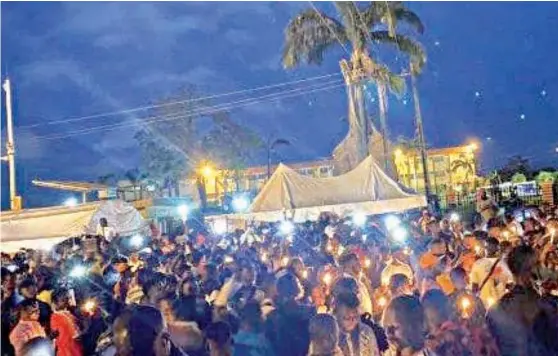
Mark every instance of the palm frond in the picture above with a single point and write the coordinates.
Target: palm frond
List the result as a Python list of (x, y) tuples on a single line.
[(405, 44), (394, 82), (309, 35), (375, 14), (402, 14), (352, 20)]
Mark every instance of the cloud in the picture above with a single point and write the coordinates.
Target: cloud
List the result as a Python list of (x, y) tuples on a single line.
[(198, 75), (116, 24)]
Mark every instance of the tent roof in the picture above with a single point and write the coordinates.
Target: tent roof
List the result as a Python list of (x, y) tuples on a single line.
[(82, 187), (33, 228), (366, 188)]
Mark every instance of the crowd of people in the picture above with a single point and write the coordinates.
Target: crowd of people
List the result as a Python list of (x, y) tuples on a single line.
[(378, 285)]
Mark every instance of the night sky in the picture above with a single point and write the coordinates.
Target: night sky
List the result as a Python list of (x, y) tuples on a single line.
[(491, 75)]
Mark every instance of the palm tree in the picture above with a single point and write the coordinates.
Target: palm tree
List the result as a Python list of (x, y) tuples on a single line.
[(312, 32), (545, 177)]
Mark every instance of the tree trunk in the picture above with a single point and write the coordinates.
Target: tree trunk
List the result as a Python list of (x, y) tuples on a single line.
[(382, 103), (354, 147), (420, 132)]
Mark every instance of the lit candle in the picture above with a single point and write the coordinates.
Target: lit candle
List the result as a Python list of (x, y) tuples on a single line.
[(327, 278), (382, 301)]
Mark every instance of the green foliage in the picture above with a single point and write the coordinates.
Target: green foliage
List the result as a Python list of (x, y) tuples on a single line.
[(187, 131), (546, 177), (312, 32), (518, 178), (515, 164)]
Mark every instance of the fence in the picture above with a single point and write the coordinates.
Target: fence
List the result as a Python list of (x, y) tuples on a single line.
[(505, 195)]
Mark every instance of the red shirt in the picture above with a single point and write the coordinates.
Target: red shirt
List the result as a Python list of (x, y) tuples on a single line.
[(68, 331)]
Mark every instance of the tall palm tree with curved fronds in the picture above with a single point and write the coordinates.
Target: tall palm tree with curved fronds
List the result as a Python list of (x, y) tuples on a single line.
[(310, 34)]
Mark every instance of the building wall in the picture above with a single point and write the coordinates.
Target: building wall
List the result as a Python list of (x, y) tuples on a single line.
[(452, 167), (441, 168)]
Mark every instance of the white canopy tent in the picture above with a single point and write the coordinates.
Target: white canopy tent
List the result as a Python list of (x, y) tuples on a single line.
[(46, 227), (366, 189)]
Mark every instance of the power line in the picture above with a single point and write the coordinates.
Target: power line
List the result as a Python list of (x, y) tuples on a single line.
[(199, 111), (147, 107), (214, 109)]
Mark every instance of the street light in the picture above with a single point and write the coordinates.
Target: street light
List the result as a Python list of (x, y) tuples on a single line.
[(207, 171)]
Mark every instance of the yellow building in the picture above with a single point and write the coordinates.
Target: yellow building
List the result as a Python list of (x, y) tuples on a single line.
[(450, 167)]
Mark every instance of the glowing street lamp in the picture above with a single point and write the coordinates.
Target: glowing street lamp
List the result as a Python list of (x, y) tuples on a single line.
[(207, 171)]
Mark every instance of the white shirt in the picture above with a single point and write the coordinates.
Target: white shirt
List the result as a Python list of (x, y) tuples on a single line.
[(394, 267), (494, 288), (107, 232)]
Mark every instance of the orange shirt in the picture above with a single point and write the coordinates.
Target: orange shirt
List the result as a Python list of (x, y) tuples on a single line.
[(427, 261)]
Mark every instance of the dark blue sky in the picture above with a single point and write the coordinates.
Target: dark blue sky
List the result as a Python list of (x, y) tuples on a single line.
[(75, 59)]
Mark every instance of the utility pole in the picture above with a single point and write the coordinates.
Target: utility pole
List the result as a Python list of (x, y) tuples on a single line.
[(420, 132), (15, 201)]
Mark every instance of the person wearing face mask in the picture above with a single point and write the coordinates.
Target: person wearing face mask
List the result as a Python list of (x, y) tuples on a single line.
[(404, 323), (356, 338)]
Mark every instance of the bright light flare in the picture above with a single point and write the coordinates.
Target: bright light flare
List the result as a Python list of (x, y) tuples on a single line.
[(71, 202), (367, 263), (328, 278), (136, 241), (240, 204), (399, 234), (183, 211), (305, 274), (78, 271), (382, 301), (454, 217), (286, 227), (228, 259), (285, 261), (89, 306), (220, 227), (359, 219), (392, 222)]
